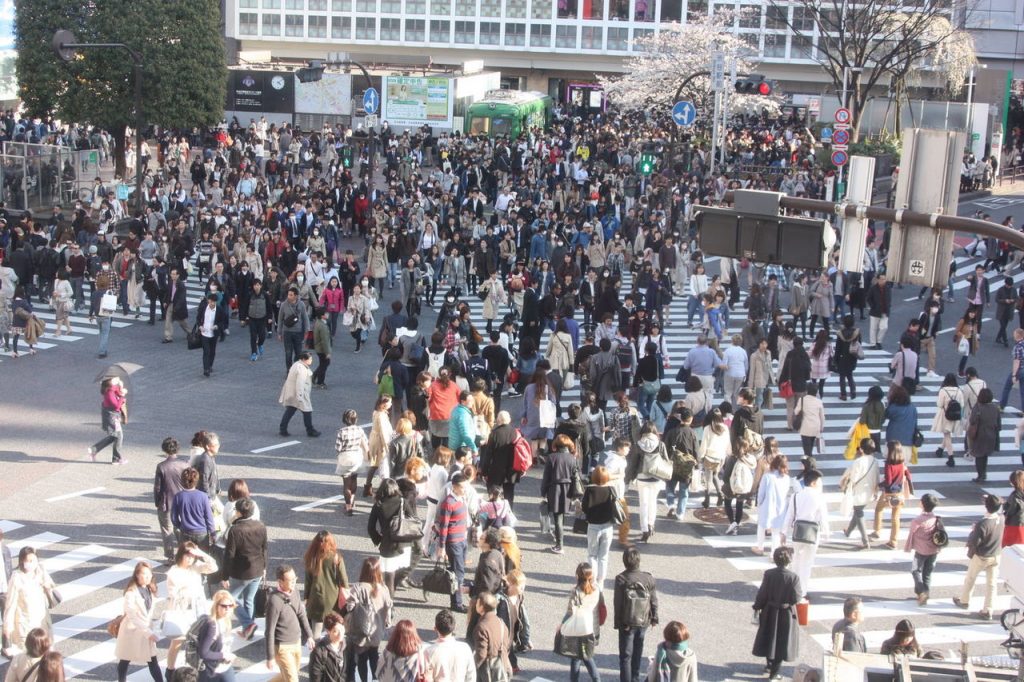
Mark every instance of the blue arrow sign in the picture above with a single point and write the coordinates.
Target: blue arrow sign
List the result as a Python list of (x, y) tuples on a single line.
[(371, 100), (684, 113)]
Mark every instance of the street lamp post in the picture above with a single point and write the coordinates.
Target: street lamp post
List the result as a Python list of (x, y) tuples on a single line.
[(66, 47), (313, 73)]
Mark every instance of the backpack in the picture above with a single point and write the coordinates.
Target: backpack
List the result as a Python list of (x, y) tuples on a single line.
[(360, 620), (752, 442), (416, 353), (476, 368), (954, 411), (191, 645), (435, 361), (522, 454), (624, 354), (637, 606), (741, 480), (683, 464)]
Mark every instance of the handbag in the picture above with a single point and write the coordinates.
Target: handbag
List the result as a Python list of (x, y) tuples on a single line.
[(580, 525), (569, 382), (410, 529), (963, 347), (805, 532), (575, 623), (373, 305), (259, 602), (786, 389), (482, 294), (918, 439), (348, 318), (53, 597), (547, 414), (195, 338), (576, 484), (439, 580), (108, 304), (619, 512), (175, 623), (114, 626)]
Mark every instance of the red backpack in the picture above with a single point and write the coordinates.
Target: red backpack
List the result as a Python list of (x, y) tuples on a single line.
[(522, 454)]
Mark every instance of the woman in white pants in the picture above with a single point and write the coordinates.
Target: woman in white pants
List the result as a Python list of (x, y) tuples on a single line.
[(807, 509), (643, 462), (772, 503), (437, 482)]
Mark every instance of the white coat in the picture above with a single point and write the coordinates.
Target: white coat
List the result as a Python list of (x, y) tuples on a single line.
[(559, 352), (813, 423), (496, 298), (862, 482), (298, 388), (940, 424), (133, 643), (772, 500), (27, 607)]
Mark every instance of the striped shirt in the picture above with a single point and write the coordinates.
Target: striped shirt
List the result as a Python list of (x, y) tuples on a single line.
[(452, 521)]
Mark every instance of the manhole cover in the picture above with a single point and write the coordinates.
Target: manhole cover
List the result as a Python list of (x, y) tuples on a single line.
[(714, 515)]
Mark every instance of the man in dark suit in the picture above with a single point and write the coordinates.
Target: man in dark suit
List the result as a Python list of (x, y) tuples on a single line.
[(166, 485), (211, 320), (175, 306)]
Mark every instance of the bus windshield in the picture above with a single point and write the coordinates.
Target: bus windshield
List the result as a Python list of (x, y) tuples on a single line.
[(501, 126), (480, 125)]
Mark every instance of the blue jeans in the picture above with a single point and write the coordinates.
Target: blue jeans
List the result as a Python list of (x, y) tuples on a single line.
[(645, 400), (599, 544), (1008, 386), (922, 572), (457, 565), (104, 324), (631, 653), (574, 669), (392, 273), (840, 306), (692, 306), (677, 485), (244, 592)]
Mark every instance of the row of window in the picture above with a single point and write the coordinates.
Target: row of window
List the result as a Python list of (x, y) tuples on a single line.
[(466, 33), (753, 16)]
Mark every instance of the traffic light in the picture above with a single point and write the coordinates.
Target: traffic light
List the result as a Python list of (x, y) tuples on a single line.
[(754, 229), (346, 156), (754, 84), (647, 160), (311, 73)]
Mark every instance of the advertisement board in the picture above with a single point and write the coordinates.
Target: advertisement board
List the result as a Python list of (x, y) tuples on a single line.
[(413, 101), (261, 91), (331, 95)]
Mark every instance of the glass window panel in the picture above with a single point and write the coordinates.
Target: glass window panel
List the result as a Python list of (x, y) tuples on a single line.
[(515, 34), (390, 6), (317, 27), (441, 7), (294, 25), (803, 19), (271, 24), (366, 6), (490, 32), (640, 33), (593, 38), (672, 10), (415, 7), (317, 5), (465, 8), (540, 35), (271, 4), (618, 39), (540, 9), (465, 32), (696, 9), (565, 36), (567, 9), (774, 45), (366, 28), (592, 9), (802, 47), (775, 17), (515, 9), (341, 27), (295, 4), (341, 5), (440, 31), (248, 4), (415, 30), (490, 8), (248, 23)]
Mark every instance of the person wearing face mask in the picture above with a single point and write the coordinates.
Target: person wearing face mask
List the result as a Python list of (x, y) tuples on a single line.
[(106, 281), (243, 286)]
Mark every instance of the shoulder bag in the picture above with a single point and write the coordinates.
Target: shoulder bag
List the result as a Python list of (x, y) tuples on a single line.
[(805, 531), (786, 389), (798, 417), (576, 484)]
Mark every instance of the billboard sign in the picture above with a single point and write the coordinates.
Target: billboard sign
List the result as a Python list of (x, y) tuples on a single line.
[(261, 91), (332, 95), (414, 101)]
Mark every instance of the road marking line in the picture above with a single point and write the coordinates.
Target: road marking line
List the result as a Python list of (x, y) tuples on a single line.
[(37, 541), (318, 503), (275, 447), (80, 493), (8, 526)]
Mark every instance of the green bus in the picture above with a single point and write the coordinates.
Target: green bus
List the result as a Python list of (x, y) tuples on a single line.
[(507, 113)]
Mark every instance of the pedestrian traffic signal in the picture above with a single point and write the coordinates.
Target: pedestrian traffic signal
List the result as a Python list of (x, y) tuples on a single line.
[(311, 73), (646, 163), (754, 84), (346, 156)]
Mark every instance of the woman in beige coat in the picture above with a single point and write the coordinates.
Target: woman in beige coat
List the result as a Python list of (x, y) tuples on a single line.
[(27, 605), (949, 392), (377, 262), (136, 641), (812, 425), (559, 352), (496, 298), (361, 316), (381, 433)]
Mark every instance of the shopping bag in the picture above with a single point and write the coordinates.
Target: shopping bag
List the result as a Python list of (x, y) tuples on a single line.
[(860, 432)]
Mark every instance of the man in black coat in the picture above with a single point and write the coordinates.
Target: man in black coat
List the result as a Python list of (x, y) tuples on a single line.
[(497, 454), (636, 610), (879, 302), (166, 485), (212, 320), (175, 305), (490, 573), (245, 561)]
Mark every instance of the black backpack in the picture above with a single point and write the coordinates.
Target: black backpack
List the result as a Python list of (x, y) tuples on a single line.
[(476, 368), (954, 411), (191, 646), (637, 606)]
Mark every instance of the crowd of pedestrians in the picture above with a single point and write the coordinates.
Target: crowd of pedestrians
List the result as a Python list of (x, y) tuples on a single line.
[(575, 258)]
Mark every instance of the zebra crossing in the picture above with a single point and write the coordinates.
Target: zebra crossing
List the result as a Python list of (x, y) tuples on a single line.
[(881, 577), (85, 571)]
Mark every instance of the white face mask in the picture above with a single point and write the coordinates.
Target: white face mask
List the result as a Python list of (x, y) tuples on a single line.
[(106, 266), (300, 279)]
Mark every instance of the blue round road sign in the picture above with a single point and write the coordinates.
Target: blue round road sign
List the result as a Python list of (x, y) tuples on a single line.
[(684, 113), (839, 158), (841, 136), (371, 100)]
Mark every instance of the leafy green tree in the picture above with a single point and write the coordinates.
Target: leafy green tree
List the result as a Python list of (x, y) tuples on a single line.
[(184, 74)]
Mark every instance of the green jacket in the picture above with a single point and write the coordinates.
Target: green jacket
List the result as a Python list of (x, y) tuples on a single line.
[(322, 338)]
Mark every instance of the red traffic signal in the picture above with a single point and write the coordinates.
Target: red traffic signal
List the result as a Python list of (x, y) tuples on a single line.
[(754, 84), (764, 88)]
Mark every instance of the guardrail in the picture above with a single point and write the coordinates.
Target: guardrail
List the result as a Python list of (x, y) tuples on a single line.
[(1011, 175)]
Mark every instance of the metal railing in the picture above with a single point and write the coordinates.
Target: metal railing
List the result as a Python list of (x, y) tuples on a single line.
[(1011, 175)]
